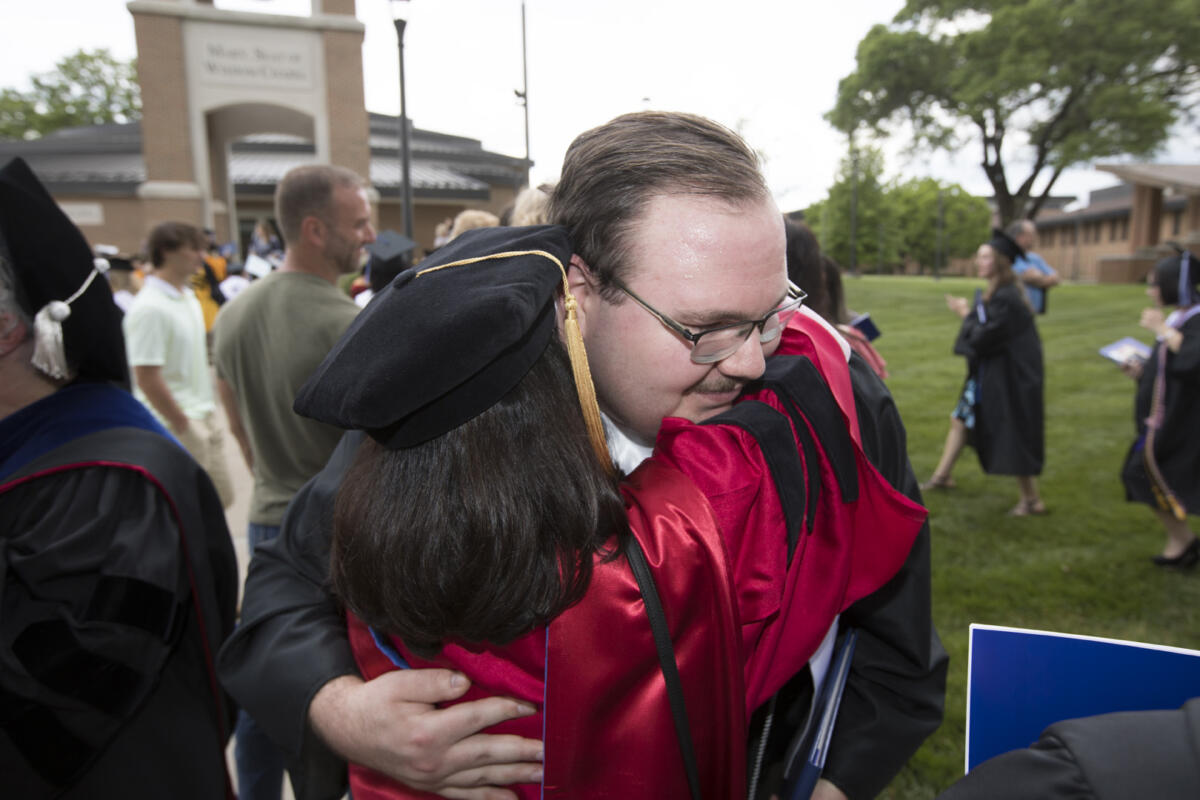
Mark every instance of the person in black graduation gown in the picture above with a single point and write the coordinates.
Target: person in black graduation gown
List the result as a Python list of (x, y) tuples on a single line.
[(1000, 409), (117, 575), (1162, 468), (1125, 754)]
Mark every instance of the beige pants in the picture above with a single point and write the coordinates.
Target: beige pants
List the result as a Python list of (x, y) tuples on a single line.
[(205, 440)]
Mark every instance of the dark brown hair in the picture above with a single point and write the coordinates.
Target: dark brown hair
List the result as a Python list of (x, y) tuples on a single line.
[(1166, 278), (804, 265), (167, 237), (484, 533), (835, 293), (611, 172)]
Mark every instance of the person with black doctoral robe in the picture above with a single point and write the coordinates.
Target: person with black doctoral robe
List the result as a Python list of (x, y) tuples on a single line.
[(1000, 411), (117, 575), (1162, 468)]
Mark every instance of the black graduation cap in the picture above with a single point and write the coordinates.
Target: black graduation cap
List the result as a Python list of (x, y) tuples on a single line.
[(389, 257), (447, 340), (120, 263), (53, 262), (390, 245), (1003, 243)]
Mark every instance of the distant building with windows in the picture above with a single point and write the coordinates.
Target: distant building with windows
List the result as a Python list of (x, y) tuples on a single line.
[(95, 173), (231, 100), (1124, 229)]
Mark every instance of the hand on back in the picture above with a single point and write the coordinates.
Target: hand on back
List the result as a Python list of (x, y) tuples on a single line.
[(392, 725)]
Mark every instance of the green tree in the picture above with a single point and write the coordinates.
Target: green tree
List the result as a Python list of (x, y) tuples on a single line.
[(937, 222), (86, 88), (857, 200), (1060, 82)]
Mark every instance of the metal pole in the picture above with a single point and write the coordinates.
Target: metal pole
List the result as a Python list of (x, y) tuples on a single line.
[(941, 238), (405, 156), (879, 263), (853, 206), (525, 93)]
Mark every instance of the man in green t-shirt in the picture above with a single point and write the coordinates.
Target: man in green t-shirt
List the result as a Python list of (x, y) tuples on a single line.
[(265, 345)]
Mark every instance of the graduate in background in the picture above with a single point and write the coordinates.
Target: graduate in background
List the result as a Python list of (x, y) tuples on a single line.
[(1000, 410), (1162, 468)]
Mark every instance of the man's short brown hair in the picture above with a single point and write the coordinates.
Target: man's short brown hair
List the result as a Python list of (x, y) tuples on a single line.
[(611, 172), (308, 192), (167, 237)]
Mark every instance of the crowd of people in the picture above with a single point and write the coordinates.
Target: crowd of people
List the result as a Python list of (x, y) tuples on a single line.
[(604, 499)]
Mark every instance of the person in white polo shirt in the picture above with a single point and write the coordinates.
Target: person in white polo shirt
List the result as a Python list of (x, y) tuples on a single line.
[(165, 342)]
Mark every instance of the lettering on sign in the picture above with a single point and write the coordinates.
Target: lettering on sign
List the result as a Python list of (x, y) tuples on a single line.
[(278, 66)]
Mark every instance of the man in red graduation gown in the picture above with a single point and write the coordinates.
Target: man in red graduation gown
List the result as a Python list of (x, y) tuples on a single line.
[(675, 236), (755, 547), (118, 575)]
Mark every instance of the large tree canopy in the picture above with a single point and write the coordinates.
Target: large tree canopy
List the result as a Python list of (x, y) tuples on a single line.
[(1069, 81), (86, 88)]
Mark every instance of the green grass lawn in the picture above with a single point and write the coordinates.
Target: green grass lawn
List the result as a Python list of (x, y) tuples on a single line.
[(1084, 568)]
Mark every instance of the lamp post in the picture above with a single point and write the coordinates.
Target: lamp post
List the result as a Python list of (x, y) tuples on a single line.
[(405, 155), (525, 90)]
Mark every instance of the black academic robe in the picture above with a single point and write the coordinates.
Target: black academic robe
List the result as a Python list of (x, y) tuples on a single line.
[(1120, 756), (1004, 356), (119, 583), (1177, 444), (292, 638)]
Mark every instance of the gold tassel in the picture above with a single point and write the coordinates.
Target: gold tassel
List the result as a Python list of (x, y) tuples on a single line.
[(583, 380)]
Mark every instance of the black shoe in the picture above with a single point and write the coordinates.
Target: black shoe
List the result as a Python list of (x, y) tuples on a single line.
[(1188, 558)]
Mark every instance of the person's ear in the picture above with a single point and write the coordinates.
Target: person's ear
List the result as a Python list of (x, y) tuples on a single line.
[(584, 287), (12, 332), (313, 232)]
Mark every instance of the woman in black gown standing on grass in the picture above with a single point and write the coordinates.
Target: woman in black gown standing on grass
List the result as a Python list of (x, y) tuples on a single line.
[(1162, 468), (1000, 410)]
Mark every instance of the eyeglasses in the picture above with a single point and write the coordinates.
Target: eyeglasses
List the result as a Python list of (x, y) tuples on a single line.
[(718, 343)]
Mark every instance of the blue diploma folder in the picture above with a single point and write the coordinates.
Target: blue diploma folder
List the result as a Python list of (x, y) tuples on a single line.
[(866, 326), (1019, 682), (1124, 349), (812, 745)]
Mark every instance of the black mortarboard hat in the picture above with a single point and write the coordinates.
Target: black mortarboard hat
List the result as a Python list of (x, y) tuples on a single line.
[(390, 245), (120, 263), (1003, 243), (389, 257), (53, 263), (447, 340)]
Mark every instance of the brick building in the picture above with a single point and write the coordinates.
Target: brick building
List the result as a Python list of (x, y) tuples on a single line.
[(1124, 229), (232, 100)]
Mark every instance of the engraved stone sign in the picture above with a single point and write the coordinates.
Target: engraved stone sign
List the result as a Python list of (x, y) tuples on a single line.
[(269, 65)]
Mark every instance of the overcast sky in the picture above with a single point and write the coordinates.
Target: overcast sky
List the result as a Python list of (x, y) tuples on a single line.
[(768, 68)]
